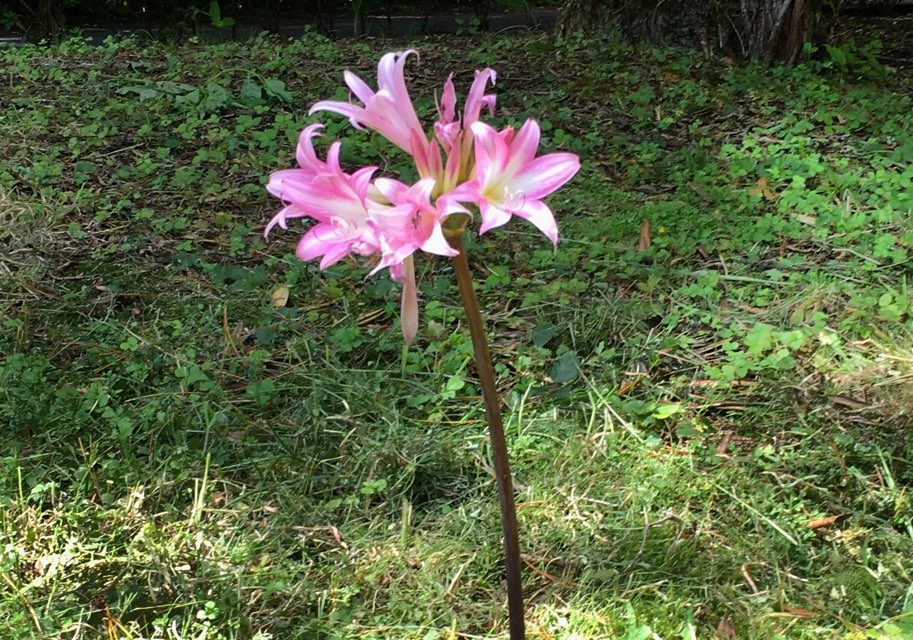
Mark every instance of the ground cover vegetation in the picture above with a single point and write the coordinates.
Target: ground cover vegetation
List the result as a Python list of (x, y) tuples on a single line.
[(707, 387)]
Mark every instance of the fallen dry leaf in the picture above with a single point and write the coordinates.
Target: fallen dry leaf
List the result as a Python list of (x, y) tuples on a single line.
[(725, 630), (628, 386), (724, 443), (820, 523), (280, 296), (644, 241), (851, 403), (761, 189)]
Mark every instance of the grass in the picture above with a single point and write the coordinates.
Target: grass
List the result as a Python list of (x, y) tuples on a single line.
[(710, 434)]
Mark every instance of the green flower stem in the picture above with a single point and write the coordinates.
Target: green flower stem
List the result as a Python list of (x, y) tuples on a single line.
[(498, 441)]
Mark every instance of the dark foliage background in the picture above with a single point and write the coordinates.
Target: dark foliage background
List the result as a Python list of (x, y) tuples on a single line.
[(51, 16)]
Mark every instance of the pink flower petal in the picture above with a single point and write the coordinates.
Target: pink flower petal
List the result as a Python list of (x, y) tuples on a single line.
[(315, 242), (280, 218), (361, 180), (409, 302), (547, 174), (466, 192), (491, 153), (420, 192), (492, 217), (453, 165), (488, 102), (393, 190), (437, 243), (486, 138), (475, 100), (448, 205), (334, 255), (307, 158), (332, 163), (447, 107), (347, 109), (280, 181), (523, 146), (541, 216), (357, 86)]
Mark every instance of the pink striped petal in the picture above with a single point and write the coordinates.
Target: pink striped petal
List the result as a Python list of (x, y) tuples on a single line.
[(491, 152), (448, 206), (307, 158), (361, 180), (409, 303), (447, 107), (547, 174), (393, 190), (420, 192), (476, 99), (334, 255), (282, 217), (541, 216), (453, 164), (492, 217), (357, 86), (347, 109), (488, 102), (437, 243), (332, 163), (523, 147), (315, 242), (466, 192), (280, 181)]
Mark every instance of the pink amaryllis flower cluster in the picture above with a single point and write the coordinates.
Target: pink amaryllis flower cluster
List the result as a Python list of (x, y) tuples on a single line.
[(464, 162)]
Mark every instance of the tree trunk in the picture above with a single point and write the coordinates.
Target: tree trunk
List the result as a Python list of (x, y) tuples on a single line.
[(578, 16), (769, 30), (778, 29), (45, 18)]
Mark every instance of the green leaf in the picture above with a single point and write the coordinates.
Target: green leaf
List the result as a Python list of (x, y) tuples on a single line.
[(174, 88), (250, 94), (759, 339), (189, 98), (665, 411), (542, 334), (217, 97), (276, 88), (566, 368), (261, 391), (144, 92), (837, 54), (215, 15)]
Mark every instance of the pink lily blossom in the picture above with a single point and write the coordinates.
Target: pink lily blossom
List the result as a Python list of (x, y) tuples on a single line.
[(324, 192), (511, 181), (412, 222), (388, 221), (447, 127), (350, 212), (388, 110), (453, 132)]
